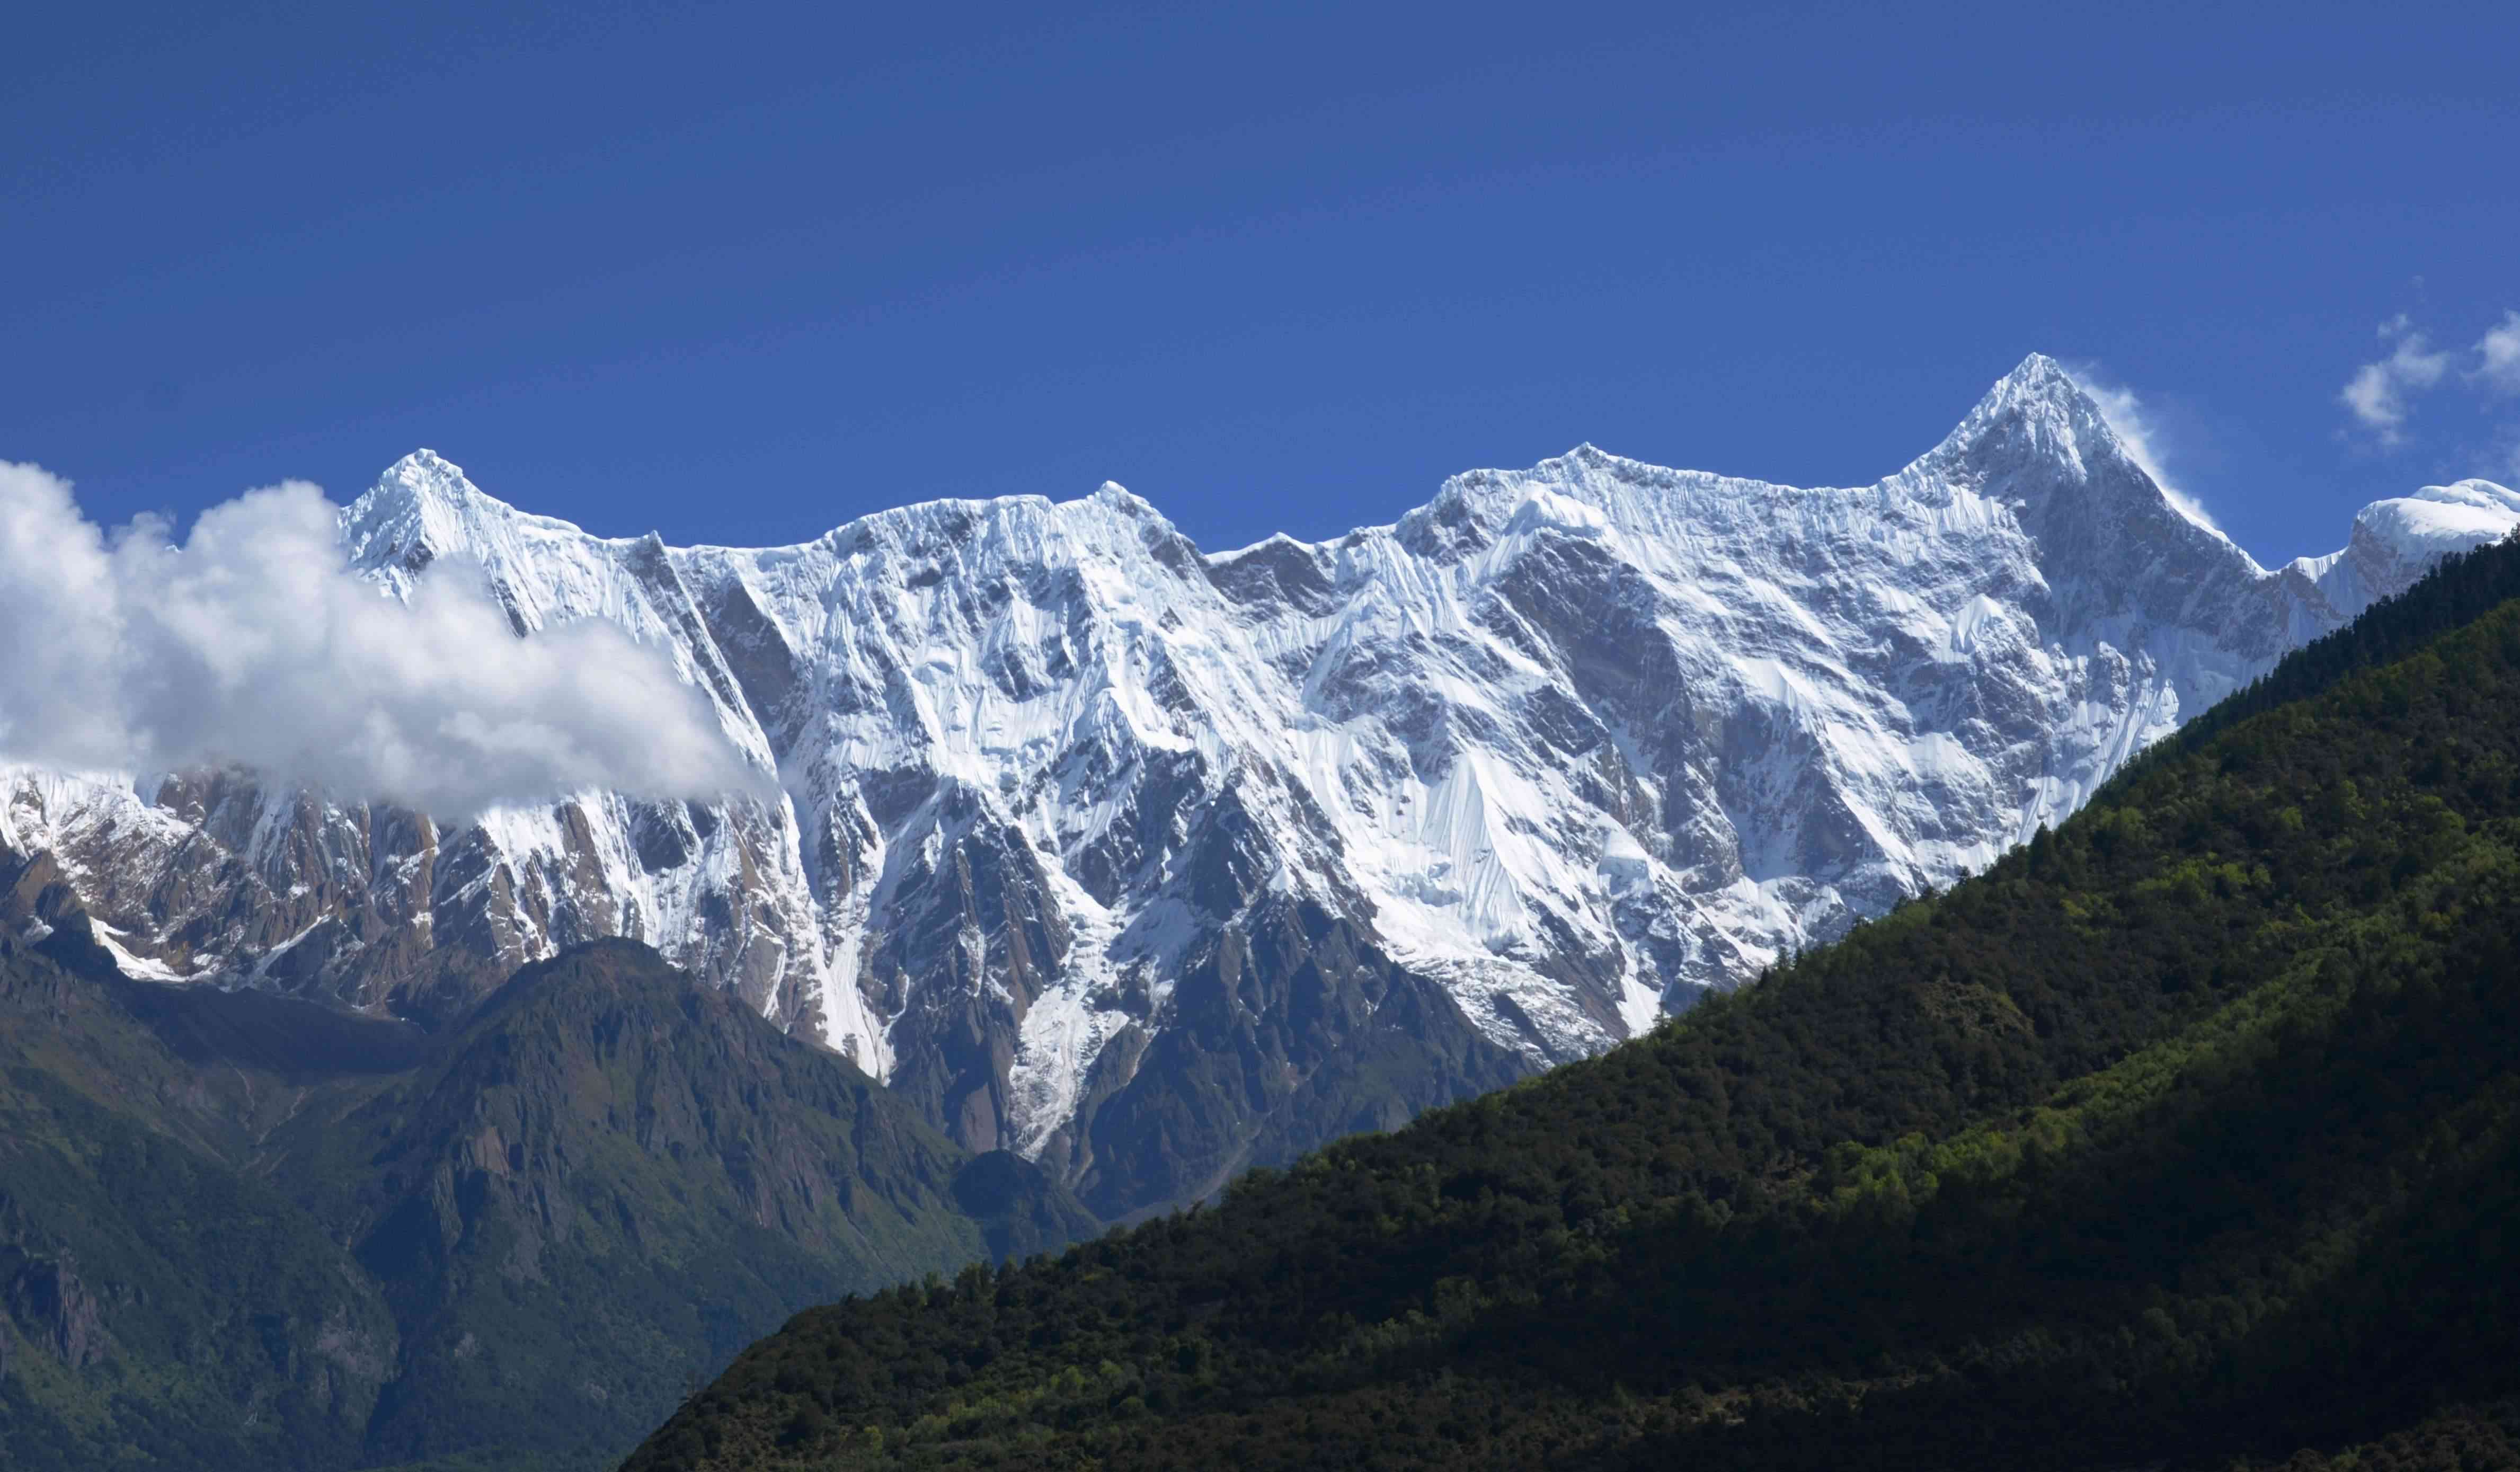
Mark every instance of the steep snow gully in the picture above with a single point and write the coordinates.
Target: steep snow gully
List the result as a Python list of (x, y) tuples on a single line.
[(1149, 863)]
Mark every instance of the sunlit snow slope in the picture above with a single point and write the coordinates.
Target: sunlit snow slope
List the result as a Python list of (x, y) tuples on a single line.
[(1150, 863)]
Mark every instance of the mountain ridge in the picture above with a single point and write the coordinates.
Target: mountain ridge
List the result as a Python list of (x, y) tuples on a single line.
[(1553, 754)]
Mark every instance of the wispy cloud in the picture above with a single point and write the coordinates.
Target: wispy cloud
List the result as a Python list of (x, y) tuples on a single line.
[(2378, 393), (2498, 356), (253, 644), (2139, 431)]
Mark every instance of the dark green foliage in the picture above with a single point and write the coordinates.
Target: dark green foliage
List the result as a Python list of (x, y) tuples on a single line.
[(295, 1239), (2463, 1439), (2187, 1135)]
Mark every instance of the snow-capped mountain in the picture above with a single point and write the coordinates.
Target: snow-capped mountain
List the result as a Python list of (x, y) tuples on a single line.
[(1149, 863)]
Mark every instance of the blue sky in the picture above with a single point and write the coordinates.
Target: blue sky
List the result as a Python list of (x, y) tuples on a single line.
[(739, 273)]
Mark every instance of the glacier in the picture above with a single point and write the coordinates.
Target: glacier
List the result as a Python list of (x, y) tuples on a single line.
[(1149, 863)]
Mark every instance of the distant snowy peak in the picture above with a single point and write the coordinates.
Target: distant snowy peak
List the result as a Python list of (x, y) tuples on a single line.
[(2042, 445), (2441, 518), (2036, 413), (2036, 436), (425, 507), (2396, 541)]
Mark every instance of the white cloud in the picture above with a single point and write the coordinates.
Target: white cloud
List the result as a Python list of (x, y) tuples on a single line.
[(2498, 356), (255, 645), (2141, 436), (2378, 392)]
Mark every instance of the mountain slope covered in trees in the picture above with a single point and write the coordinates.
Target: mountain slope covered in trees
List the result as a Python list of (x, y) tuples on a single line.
[(2187, 1135), (241, 1232)]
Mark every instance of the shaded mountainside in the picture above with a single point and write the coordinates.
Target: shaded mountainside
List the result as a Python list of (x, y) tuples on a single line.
[(238, 1232), (2188, 1134), (2459, 1439), (1153, 864)]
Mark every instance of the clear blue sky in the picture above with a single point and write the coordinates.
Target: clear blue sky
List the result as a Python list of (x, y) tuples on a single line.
[(739, 273)]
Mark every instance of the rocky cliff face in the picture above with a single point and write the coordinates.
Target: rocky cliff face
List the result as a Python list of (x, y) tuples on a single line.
[(51, 1305), (1148, 863)]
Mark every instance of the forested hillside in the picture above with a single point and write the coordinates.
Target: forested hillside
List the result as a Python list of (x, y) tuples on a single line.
[(242, 1233), (2188, 1134)]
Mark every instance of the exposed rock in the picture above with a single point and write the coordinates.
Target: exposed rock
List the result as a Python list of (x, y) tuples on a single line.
[(55, 1309)]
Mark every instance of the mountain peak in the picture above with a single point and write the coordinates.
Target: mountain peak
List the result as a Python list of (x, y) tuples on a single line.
[(2044, 400), (2037, 420), (2397, 539), (407, 518), (2475, 491), (414, 482), (422, 508), (1119, 498), (2038, 374), (425, 458)]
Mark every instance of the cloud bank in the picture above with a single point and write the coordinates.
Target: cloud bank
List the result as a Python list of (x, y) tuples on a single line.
[(255, 645)]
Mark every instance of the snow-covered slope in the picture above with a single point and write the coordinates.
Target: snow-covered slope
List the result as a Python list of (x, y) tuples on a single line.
[(2395, 540), (1148, 863)]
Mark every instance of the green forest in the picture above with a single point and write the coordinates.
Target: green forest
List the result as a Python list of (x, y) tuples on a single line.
[(2187, 1136), (239, 1232)]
